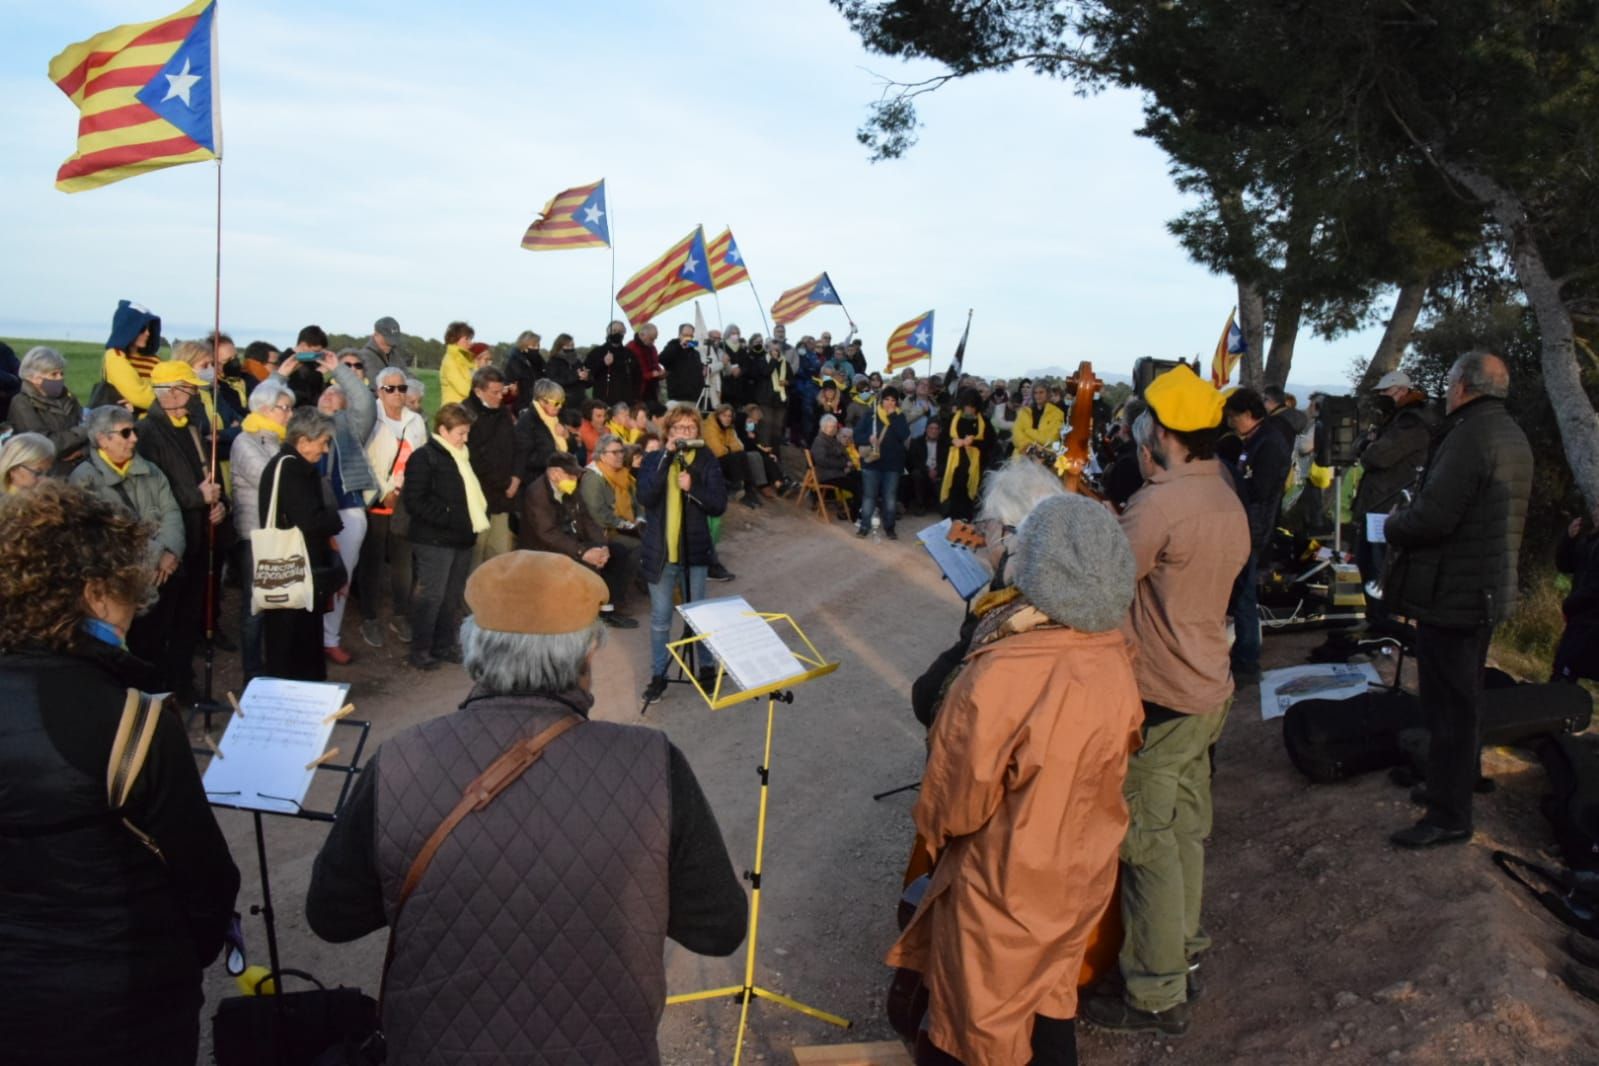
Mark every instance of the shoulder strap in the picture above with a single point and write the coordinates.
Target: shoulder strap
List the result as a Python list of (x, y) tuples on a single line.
[(499, 776), (141, 715), (275, 465)]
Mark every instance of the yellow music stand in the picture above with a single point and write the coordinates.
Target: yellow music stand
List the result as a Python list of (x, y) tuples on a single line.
[(814, 666)]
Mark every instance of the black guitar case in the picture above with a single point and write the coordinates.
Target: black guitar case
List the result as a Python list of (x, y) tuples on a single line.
[(1331, 740)]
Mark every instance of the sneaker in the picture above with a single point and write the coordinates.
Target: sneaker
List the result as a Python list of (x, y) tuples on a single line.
[(655, 689), (336, 654), (421, 662), (718, 572), (401, 627), (1119, 1016), (372, 632), (618, 621)]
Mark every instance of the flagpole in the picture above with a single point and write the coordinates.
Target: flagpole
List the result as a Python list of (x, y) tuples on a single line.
[(610, 301), (718, 298), (765, 322), (211, 529)]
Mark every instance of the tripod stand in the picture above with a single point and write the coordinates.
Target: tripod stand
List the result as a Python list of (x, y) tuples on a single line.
[(775, 693)]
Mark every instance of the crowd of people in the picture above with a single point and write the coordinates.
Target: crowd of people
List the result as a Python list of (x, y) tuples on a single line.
[(1072, 727)]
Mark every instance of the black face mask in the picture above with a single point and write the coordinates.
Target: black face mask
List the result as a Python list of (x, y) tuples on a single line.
[(1384, 406), (616, 338)]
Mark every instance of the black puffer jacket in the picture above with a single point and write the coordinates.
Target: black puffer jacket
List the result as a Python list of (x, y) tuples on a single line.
[(101, 943), (435, 499), (1389, 464), (685, 373), (1458, 541), (1262, 474), (496, 452)]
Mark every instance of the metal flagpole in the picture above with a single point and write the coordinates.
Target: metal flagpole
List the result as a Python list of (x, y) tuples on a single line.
[(718, 298), (208, 702), (611, 232), (765, 322)]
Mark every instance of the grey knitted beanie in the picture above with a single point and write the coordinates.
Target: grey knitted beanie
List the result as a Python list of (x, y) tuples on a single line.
[(1074, 564)]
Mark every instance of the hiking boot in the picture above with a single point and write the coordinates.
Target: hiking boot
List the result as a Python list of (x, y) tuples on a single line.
[(372, 632), (401, 627), (1119, 1016), (655, 689), (1425, 835), (718, 572)]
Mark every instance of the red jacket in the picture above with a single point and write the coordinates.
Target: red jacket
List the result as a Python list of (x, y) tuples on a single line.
[(649, 364)]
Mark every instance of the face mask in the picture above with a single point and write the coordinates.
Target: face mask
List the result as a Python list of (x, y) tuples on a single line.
[(52, 388), (690, 344), (735, 343), (208, 375), (567, 486), (616, 338), (749, 427)]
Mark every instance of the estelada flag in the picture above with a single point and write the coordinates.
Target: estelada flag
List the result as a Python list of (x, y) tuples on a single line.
[(911, 342), (727, 262), (1229, 350), (681, 273), (575, 218), (801, 300), (146, 96)]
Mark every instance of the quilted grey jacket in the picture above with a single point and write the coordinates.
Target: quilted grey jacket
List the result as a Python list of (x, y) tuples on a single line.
[(536, 935)]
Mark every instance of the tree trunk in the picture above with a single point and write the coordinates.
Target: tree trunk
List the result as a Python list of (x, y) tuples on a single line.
[(1284, 331), (1252, 321), (1574, 414), (1396, 338)]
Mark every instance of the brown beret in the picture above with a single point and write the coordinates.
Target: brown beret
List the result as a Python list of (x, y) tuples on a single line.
[(535, 592)]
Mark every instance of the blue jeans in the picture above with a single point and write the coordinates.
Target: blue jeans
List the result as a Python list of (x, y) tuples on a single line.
[(872, 482), (662, 592), (1246, 618)]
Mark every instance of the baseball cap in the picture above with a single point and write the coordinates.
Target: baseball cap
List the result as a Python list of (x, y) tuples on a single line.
[(1393, 379), (388, 329)]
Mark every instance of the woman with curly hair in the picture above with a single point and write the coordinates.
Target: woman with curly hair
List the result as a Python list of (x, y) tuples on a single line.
[(107, 915)]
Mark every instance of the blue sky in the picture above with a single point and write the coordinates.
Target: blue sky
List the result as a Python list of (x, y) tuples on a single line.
[(385, 158)]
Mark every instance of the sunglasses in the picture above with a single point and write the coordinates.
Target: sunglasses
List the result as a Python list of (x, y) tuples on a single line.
[(391, 388), (127, 431), (356, 366)]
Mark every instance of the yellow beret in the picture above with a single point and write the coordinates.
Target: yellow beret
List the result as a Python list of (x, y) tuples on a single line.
[(1184, 402), (175, 372), (535, 592)]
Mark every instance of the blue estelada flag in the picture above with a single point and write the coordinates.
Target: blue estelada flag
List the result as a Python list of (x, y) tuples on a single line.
[(1229, 349), (681, 273), (801, 300), (574, 218), (911, 342)]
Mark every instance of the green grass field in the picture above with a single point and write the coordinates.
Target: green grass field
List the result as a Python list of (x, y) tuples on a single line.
[(83, 367)]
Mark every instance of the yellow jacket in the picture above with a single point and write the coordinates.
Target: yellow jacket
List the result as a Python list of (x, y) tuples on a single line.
[(455, 374), (721, 440), (121, 375), (1024, 434)]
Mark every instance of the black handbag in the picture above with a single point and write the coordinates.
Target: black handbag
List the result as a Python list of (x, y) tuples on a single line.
[(318, 1027)]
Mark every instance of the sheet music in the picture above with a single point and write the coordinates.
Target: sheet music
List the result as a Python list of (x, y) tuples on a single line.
[(1376, 527), (281, 728), (965, 571), (750, 649)]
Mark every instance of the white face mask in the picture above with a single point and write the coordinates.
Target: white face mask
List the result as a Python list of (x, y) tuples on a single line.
[(207, 375)]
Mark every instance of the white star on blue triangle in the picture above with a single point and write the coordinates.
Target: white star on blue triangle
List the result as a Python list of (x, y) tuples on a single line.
[(922, 339), (696, 269), (824, 292), (181, 92), (591, 215)]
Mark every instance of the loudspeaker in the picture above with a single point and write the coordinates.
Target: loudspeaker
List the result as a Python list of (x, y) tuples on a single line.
[(1341, 417)]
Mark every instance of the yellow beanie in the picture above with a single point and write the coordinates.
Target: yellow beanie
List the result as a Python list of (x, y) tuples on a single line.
[(175, 372), (1184, 402)]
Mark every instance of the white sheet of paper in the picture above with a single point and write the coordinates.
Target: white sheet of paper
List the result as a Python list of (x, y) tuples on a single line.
[(282, 726), (751, 650), (966, 572), (1376, 528), (1281, 689)]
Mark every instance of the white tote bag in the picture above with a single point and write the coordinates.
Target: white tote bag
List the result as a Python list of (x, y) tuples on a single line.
[(280, 578)]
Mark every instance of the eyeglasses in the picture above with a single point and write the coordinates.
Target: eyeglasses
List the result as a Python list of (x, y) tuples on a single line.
[(127, 431), (283, 407), (391, 388)]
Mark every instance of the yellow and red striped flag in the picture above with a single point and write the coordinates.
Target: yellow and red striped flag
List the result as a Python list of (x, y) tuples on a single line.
[(801, 300), (575, 218), (911, 342), (727, 262), (146, 96), (681, 273), (1229, 350)]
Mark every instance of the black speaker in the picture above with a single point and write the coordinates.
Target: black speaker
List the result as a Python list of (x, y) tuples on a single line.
[(1340, 415)]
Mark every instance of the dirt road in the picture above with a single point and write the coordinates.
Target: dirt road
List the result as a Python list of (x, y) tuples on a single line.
[(1330, 946)]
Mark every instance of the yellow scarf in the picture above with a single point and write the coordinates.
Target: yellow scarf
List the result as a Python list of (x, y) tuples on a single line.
[(255, 422), (122, 470), (629, 436), (974, 475), (476, 505), (178, 421), (854, 454), (780, 378), (551, 423), (674, 508), (621, 482)]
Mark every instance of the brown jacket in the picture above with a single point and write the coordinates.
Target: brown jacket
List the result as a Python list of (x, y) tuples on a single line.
[(721, 440), (1022, 808), (563, 526), (1190, 539)]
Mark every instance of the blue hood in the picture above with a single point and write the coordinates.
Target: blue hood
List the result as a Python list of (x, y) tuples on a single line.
[(128, 323)]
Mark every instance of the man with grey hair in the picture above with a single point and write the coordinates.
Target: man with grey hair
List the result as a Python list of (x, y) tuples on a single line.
[(416, 391), (1454, 572), (385, 561), (536, 932)]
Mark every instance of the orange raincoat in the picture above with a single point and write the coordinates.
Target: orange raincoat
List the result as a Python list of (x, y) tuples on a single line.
[(1022, 808)]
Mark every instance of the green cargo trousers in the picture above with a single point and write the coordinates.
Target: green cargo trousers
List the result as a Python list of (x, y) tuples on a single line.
[(1163, 858)]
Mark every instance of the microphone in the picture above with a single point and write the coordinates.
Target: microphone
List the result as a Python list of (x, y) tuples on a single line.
[(686, 445)]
